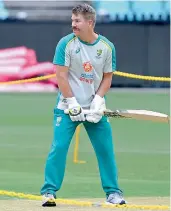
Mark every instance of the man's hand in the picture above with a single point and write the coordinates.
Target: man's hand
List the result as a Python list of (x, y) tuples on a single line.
[(75, 110), (97, 104)]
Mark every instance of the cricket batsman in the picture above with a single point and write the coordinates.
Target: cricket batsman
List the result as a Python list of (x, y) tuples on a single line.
[(84, 62)]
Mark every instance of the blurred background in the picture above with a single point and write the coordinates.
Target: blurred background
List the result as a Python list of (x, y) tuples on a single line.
[(30, 31)]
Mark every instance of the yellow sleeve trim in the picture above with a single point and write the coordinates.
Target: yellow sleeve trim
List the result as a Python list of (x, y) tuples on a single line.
[(71, 41), (108, 46)]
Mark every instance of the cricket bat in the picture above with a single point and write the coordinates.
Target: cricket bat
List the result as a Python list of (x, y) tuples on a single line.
[(132, 114)]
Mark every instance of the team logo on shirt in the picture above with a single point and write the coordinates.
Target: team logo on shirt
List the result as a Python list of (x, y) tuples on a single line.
[(87, 66), (77, 50), (99, 53), (87, 78)]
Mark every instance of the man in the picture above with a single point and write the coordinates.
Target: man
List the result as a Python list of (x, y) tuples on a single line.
[(85, 62)]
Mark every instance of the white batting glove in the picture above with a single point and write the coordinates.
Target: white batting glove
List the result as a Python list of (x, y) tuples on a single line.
[(75, 110), (97, 104)]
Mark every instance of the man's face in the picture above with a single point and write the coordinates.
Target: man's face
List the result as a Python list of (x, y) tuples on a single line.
[(79, 24)]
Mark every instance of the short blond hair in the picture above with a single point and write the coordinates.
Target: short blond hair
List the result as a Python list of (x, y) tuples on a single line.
[(86, 10)]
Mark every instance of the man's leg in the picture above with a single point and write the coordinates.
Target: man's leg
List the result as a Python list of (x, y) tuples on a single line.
[(64, 129), (100, 135)]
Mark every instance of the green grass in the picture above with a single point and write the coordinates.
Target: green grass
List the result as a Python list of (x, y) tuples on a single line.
[(142, 148)]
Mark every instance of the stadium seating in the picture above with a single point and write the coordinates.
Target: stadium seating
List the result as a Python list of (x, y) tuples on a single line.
[(166, 7), (41, 10), (151, 10), (106, 10), (3, 11), (116, 10), (133, 10)]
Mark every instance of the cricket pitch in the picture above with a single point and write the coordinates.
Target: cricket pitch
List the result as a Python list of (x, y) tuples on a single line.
[(30, 205)]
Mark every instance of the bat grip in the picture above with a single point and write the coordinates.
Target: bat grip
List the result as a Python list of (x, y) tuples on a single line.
[(85, 111)]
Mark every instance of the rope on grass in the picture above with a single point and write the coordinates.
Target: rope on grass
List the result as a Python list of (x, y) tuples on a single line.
[(142, 77), (84, 203)]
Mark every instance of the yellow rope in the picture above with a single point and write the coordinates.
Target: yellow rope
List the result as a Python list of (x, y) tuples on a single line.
[(85, 203), (118, 73), (40, 78), (150, 78)]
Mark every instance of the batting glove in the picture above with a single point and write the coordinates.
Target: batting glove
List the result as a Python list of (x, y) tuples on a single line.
[(75, 110), (97, 104)]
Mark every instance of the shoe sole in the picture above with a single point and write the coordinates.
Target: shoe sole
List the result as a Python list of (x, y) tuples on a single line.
[(121, 203), (49, 204)]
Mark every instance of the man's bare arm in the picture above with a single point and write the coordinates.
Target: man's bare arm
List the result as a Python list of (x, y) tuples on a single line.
[(105, 84), (62, 80)]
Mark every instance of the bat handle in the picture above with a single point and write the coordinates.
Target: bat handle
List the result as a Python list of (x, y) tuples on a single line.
[(85, 111)]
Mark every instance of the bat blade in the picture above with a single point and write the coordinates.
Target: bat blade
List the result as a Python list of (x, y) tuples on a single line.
[(138, 114)]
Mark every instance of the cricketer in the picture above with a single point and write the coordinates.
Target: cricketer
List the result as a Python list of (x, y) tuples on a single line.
[(84, 61)]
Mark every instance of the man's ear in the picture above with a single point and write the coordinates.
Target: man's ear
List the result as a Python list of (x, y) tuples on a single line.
[(90, 22)]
